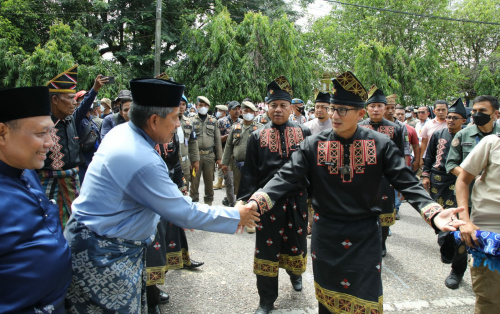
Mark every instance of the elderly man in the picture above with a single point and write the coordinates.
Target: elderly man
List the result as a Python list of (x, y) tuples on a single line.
[(108, 233), (338, 165), (59, 175), (280, 240), (35, 260)]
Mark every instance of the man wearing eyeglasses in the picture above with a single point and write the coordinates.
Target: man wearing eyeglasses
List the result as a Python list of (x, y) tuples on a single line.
[(337, 165), (441, 185), (438, 123)]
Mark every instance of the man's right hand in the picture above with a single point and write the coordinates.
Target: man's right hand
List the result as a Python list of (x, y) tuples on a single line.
[(426, 182), (248, 217), (99, 82), (468, 233)]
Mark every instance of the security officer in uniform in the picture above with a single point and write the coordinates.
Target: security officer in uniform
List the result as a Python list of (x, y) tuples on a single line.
[(484, 109), (210, 149), (188, 152)]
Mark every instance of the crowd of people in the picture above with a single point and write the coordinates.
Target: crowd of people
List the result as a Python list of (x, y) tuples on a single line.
[(304, 173)]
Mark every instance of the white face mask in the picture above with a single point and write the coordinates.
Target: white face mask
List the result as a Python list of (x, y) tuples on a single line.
[(248, 116), (266, 108), (203, 110), (408, 115), (311, 116), (218, 114)]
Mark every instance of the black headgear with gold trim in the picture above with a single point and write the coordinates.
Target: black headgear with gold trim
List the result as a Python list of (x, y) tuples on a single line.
[(376, 95), (153, 92), (348, 90), (64, 82), (29, 102), (279, 88), (323, 97), (458, 107)]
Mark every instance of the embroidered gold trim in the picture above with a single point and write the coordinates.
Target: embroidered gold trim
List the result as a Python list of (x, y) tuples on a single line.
[(177, 260), (429, 211), (265, 268), (263, 201), (155, 275), (296, 264), (337, 302), (387, 220)]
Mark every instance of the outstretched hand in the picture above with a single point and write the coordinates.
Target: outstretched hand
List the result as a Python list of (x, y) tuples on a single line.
[(447, 219), (248, 217)]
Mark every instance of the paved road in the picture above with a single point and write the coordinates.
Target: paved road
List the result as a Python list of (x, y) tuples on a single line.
[(413, 275)]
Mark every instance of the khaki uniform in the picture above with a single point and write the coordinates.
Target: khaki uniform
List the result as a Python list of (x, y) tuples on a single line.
[(189, 151), (210, 150), (236, 149)]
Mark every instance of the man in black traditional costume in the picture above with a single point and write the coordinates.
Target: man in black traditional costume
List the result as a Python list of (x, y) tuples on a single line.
[(343, 168), (281, 236)]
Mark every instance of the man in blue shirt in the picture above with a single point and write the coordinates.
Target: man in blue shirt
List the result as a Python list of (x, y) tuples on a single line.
[(109, 233), (35, 264)]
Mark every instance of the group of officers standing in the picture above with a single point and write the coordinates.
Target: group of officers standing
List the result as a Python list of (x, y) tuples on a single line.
[(147, 161)]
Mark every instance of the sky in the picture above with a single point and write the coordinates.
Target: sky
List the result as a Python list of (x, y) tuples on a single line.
[(315, 10)]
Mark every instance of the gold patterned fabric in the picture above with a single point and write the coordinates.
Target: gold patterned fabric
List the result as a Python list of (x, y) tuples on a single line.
[(284, 84), (351, 84), (430, 211), (263, 201), (64, 82), (337, 302)]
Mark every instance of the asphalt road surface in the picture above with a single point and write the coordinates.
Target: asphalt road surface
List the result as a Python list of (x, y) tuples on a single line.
[(412, 274)]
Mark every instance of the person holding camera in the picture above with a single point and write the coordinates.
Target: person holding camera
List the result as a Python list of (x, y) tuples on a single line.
[(59, 175)]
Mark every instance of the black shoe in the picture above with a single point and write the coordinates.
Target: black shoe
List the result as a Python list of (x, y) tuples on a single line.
[(397, 216), (264, 309), (154, 310), (193, 265), (453, 280), (296, 282), (164, 297), (225, 201), (384, 252)]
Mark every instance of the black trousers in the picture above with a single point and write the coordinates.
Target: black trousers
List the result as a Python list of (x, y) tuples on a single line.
[(153, 296), (268, 288)]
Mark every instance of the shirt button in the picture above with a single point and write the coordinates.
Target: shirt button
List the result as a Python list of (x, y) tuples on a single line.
[(46, 215), (40, 200), (29, 186)]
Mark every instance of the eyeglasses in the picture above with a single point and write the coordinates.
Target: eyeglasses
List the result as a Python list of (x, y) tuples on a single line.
[(454, 118), (341, 111), (421, 112)]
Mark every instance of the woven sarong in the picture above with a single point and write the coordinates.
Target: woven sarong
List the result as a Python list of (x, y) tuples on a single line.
[(443, 188), (108, 273), (63, 186), (168, 251), (347, 259)]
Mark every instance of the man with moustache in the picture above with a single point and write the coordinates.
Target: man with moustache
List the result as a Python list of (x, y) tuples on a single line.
[(337, 166), (280, 240), (375, 105), (59, 175), (322, 120), (440, 184), (35, 260)]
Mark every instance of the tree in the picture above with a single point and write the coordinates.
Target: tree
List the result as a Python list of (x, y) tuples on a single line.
[(229, 61)]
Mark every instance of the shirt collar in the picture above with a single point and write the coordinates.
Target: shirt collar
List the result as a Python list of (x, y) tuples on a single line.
[(141, 132), (9, 170), (476, 131)]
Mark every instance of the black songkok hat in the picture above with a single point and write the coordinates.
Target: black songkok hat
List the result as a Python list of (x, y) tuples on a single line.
[(28, 102), (376, 95), (348, 90), (458, 107), (279, 88), (322, 97), (153, 92), (64, 82)]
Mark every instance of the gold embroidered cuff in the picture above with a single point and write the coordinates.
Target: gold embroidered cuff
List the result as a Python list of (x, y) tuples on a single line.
[(263, 201), (430, 211)]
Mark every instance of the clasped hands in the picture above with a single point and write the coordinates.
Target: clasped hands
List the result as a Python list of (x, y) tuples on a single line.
[(249, 215)]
